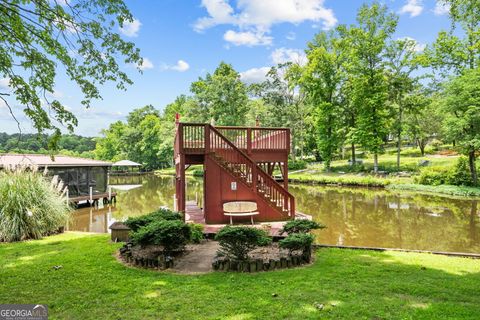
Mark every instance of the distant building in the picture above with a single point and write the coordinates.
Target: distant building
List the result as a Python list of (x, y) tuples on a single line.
[(78, 174)]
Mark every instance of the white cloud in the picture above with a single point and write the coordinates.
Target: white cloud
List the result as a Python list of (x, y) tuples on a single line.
[(253, 17), (441, 8), (146, 64), (412, 7), (180, 66), (283, 55), (247, 38), (131, 28), (4, 83), (56, 94), (254, 75), (291, 36), (418, 47)]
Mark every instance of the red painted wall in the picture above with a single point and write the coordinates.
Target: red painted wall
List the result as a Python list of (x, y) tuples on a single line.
[(219, 191)]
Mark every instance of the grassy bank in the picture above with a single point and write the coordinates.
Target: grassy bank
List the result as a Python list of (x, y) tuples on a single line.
[(459, 191), (349, 284)]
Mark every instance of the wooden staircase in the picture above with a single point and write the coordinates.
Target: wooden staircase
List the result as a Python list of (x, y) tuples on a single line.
[(246, 171)]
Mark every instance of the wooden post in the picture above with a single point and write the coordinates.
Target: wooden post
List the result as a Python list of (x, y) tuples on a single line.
[(109, 194), (91, 196), (67, 196), (207, 139), (175, 202), (249, 141)]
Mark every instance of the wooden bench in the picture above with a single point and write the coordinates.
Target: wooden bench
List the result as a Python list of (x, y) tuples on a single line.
[(240, 209)]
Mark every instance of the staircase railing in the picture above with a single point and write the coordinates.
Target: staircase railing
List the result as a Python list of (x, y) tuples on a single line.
[(248, 171)]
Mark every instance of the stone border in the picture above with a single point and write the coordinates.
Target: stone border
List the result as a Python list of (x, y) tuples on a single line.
[(161, 262), (225, 264)]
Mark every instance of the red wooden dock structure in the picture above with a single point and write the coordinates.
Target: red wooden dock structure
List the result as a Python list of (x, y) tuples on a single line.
[(238, 165)]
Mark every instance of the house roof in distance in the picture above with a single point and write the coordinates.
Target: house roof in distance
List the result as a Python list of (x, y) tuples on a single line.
[(41, 160), (126, 163)]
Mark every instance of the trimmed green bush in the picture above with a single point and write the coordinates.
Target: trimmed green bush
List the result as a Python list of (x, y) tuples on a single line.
[(432, 176), (135, 223), (196, 232), (197, 173), (237, 242), (31, 206), (459, 175), (297, 241), (301, 226), (173, 235), (297, 165)]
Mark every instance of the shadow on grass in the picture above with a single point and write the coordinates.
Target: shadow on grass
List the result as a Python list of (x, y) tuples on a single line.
[(341, 284)]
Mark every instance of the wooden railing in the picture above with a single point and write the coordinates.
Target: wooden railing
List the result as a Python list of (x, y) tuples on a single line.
[(191, 137)]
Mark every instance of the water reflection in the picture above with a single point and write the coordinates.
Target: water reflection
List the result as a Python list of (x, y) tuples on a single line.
[(354, 216)]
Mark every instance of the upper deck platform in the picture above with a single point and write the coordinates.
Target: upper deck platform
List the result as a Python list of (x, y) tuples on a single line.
[(260, 144)]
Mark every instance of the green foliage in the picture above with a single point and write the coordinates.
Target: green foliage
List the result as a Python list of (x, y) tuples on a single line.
[(197, 173), (135, 223), (220, 96), (297, 241), (196, 231), (301, 226), (237, 242), (433, 176), (458, 175), (173, 235), (413, 152), (297, 164), (30, 206), (37, 41)]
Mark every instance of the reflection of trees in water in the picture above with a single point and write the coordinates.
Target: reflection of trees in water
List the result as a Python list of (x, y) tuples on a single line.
[(391, 219)]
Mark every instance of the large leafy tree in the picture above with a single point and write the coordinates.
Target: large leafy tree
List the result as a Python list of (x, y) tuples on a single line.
[(41, 38), (369, 40), (322, 81), (221, 97), (461, 105)]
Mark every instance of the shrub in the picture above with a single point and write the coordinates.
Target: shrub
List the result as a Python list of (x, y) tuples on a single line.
[(196, 231), (135, 223), (297, 165), (433, 176), (197, 173), (459, 175), (30, 205), (297, 241), (173, 235), (300, 226), (237, 242)]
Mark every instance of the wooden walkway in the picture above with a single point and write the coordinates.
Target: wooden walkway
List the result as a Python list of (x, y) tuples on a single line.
[(95, 197), (194, 214)]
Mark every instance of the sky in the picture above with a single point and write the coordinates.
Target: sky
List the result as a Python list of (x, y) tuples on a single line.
[(182, 40)]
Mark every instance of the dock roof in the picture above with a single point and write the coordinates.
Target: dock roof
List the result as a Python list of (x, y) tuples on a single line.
[(41, 160)]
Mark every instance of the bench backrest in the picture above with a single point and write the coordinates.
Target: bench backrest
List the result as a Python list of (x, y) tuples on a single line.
[(240, 206)]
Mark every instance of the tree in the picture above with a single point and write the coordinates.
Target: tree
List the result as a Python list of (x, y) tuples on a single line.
[(220, 96), (42, 36), (322, 81), (401, 56), (110, 146), (426, 122), (461, 105), (285, 102), (369, 42)]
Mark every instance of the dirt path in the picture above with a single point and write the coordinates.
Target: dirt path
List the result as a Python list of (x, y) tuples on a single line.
[(197, 261)]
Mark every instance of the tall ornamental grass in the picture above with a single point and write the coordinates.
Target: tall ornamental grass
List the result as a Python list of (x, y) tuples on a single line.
[(31, 205)]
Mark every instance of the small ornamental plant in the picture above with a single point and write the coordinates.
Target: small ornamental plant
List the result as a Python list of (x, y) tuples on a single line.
[(237, 242), (197, 232), (135, 223), (173, 235), (301, 226)]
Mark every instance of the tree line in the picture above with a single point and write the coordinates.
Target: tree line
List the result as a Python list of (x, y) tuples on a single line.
[(359, 88)]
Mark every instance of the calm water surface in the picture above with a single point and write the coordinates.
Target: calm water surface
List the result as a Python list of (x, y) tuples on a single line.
[(353, 216)]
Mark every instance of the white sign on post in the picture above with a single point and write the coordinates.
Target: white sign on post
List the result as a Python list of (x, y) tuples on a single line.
[(233, 185)]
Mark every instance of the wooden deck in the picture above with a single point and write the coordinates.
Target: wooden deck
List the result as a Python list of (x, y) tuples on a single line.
[(194, 214), (95, 197)]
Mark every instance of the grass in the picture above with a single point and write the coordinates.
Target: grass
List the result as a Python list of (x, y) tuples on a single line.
[(350, 284), (461, 191)]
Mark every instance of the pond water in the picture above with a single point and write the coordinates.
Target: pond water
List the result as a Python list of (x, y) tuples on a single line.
[(353, 216)]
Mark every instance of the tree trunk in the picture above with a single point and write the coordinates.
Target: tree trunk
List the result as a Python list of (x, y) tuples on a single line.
[(399, 149), (375, 162), (473, 169), (354, 160)]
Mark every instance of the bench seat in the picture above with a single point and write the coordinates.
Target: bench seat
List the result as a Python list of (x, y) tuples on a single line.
[(240, 209)]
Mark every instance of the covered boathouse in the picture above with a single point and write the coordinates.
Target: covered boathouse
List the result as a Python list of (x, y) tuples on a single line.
[(87, 179)]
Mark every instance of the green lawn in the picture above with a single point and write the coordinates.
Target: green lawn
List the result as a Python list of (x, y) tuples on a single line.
[(350, 284)]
